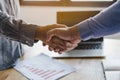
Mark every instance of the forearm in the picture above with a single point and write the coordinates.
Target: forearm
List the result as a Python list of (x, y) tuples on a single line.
[(74, 33), (105, 23), (17, 30)]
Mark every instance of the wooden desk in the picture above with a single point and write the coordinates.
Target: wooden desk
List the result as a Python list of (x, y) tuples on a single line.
[(87, 68)]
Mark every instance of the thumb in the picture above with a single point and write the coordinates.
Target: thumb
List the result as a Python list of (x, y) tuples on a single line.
[(50, 34)]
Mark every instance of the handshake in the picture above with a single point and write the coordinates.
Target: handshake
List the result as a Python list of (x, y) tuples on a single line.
[(59, 37)]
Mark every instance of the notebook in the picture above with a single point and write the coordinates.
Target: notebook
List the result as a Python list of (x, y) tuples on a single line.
[(91, 48)]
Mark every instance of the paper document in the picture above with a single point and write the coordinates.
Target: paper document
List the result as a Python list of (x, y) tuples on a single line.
[(43, 67)]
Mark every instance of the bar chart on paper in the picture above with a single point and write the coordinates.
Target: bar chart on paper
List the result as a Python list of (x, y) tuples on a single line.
[(43, 67)]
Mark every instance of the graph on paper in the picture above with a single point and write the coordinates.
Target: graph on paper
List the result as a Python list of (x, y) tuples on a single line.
[(43, 67)]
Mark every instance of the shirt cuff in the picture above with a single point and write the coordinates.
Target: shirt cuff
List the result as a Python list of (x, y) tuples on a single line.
[(84, 29), (28, 34)]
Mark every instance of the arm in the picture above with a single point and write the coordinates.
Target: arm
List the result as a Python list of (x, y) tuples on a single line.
[(70, 35), (16, 29), (105, 23), (25, 33)]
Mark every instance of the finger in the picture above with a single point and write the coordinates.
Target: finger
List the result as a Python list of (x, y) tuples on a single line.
[(44, 44), (69, 48), (63, 48), (75, 41), (56, 49), (58, 42), (60, 51), (62, 43), (68, 44), (50, 48)]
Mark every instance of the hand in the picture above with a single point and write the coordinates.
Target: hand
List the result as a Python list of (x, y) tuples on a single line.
[(59, 45), (70, 35), (41, 34)]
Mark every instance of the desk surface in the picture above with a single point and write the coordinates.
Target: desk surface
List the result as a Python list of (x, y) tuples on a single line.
[(87, 68)]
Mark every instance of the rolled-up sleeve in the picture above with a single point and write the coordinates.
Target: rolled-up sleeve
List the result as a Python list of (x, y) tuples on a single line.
[(105, 23), (17, 29)]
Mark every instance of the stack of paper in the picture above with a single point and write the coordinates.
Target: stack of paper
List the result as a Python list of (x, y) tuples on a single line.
[(43, 67)]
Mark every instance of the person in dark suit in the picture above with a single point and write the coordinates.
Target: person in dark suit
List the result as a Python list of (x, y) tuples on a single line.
[(13, 32)]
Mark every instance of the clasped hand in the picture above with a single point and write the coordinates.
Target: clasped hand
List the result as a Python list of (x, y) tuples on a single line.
[(58, 37)]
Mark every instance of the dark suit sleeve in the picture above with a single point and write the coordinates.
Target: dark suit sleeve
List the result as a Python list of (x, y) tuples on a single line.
[(17, 29)]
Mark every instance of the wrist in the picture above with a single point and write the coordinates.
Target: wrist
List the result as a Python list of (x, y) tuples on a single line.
[(39, 34), (74, 32)]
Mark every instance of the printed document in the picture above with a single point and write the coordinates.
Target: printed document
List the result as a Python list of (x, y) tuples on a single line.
[(43, 67)]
